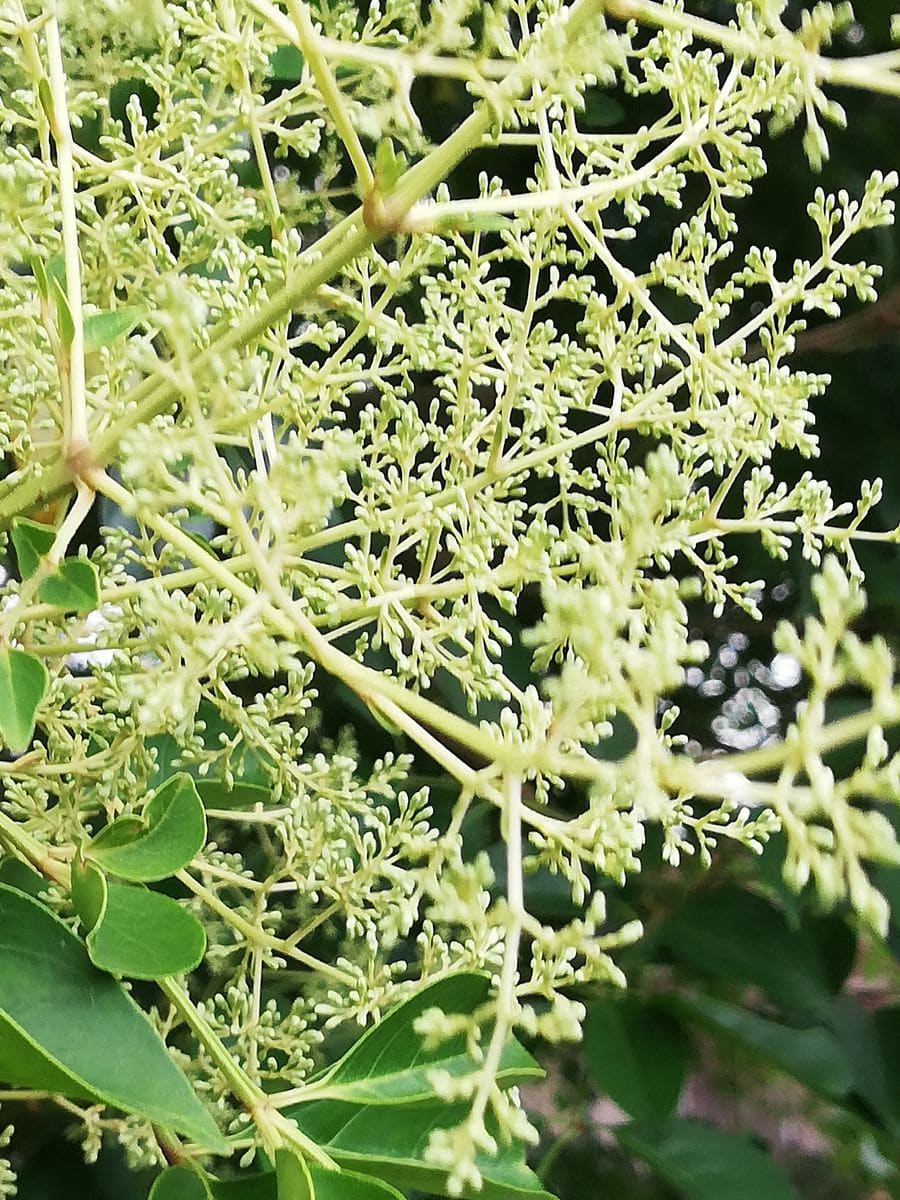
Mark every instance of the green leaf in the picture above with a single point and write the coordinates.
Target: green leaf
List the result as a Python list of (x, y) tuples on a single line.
[(46, 98), (63, 313), (286, 64), (292, 1177), (389, 164), (31, 541), (180, 1183), (251, 1187), (144, 935), (175, 831), (89, 893), (600, 110), (55, 268), (812, 1055), (392, 1148), (703, 1163), (886, 1024), (869, 1040), (40, 277), (637, 1055), (243, 762), (23, 685), (476, 222), (735, 935), (215, 794), (349, 1185), (73, 586), (325, 1185), (102, 328), (120, 832), (64, 1020), (390, 1065), (22, 877)]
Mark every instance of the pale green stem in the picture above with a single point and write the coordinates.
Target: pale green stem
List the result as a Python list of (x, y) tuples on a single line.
[(257, 936), (506, 1003), (75, 425), (708, 778), (272, 1126), (874, 73), (306, 39), (23, 845), (24, 30)]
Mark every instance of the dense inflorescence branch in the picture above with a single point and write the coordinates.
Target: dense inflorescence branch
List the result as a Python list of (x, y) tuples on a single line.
[(336, 432)]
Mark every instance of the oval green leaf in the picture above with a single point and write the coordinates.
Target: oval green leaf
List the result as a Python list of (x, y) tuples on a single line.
[(216, 794), (812, 1055), (636, 1055), (144, 935), (23, 685), (735, 935), (703, 1163), (392, 1148), (292, 1177), (175, 831), (349, 1185), (31, 541), (89, 892), (63, 1020), (179, 1183), (390, 1064), (121, 832), (73, 586), (21, 876)]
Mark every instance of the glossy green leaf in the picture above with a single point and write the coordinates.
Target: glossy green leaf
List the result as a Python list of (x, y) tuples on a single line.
[(65, 1021), (390, 1065), (121, 832), (175, 831), (391, 1146), (22, 877), (180, 1183), (812, 1055), (637, 1055), (144, 935), (704, 1163), (292, 1177), (103, 328), (73, 586), (349, 1185), (89, 893), (31, 541), (23, 685), (326, 1185)]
